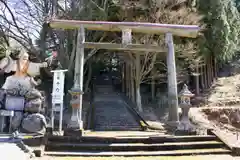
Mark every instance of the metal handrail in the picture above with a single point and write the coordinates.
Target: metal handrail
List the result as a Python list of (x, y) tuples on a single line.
[(139, 118), (15, 137), (91, 109), (142, 122)]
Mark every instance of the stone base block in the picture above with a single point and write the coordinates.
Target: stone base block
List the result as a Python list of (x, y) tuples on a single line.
[(74, 132)]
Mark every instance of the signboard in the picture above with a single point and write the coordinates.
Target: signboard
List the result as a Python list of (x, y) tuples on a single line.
[(6, 113), (57, 107), (58, 86)]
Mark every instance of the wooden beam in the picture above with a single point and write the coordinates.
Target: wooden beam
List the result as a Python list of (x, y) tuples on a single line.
[(130, 47), (139, 27)]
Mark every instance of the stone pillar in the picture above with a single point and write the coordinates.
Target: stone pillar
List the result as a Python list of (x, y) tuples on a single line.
[(126, 36), (173, 118), (127, 39), (185, 125), (77, 90)]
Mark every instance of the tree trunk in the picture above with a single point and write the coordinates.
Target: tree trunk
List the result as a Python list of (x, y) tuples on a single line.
[(138, 82), (153, 86), (127, 80), (205, 76), (212, 70), (89, 77), (132, 84), (209, 68), (63, 56), (138, 98), (215, 68), (197, 80), (202, 76), (123, 77)]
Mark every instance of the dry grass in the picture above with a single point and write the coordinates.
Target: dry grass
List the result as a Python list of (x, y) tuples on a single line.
[(226, 91)]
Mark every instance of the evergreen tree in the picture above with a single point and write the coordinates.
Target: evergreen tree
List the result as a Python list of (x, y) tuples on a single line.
[(3, 45), (238, 4), (222, 28)]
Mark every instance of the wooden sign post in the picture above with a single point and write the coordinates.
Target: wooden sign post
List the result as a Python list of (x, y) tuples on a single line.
[(57, 96)]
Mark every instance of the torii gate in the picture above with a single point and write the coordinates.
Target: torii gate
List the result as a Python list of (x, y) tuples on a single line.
[(126, 28)]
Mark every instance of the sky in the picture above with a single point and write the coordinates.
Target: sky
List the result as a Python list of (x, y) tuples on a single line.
[(26, 17)]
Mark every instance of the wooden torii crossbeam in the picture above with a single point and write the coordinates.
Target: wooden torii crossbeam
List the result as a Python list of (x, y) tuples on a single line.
[(148, 28), (127, 28)]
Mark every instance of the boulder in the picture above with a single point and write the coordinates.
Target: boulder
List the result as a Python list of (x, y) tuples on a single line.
[(224, 119)]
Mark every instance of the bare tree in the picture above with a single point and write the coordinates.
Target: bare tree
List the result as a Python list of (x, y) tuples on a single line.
[(25, 22), (22, 20)]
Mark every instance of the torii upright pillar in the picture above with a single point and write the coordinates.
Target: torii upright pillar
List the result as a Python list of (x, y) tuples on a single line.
[(76, 122), (173, 117)]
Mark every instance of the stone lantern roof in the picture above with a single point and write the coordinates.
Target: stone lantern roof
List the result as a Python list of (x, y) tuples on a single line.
[(75, 91), (185, 92)]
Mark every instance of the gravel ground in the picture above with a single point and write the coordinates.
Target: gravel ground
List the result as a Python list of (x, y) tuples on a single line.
[(10, 151)]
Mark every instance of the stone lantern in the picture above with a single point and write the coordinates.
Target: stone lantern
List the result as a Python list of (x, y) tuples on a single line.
[(75, 123), (185, 125)]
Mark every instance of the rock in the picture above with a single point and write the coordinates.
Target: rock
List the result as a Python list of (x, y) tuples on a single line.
[(213, 114), (227, 111), (224, 119), (235, 118), (236, 124)]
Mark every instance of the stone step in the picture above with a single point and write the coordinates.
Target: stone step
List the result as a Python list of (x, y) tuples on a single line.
[(104, 89), (74, 147), (117, 128), (142, 145), (113, 115), (138, 139), (143, 153)]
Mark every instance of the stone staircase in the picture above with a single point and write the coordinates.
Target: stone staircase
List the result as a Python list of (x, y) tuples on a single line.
[(110, 113), (111, 116), (161, 145)]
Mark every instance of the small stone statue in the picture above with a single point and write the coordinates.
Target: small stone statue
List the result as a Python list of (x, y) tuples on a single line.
[(21, 85), (22, 76), (9, 64)]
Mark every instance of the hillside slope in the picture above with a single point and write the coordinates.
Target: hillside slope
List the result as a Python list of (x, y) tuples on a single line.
[(223, 99), (225, 91)]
